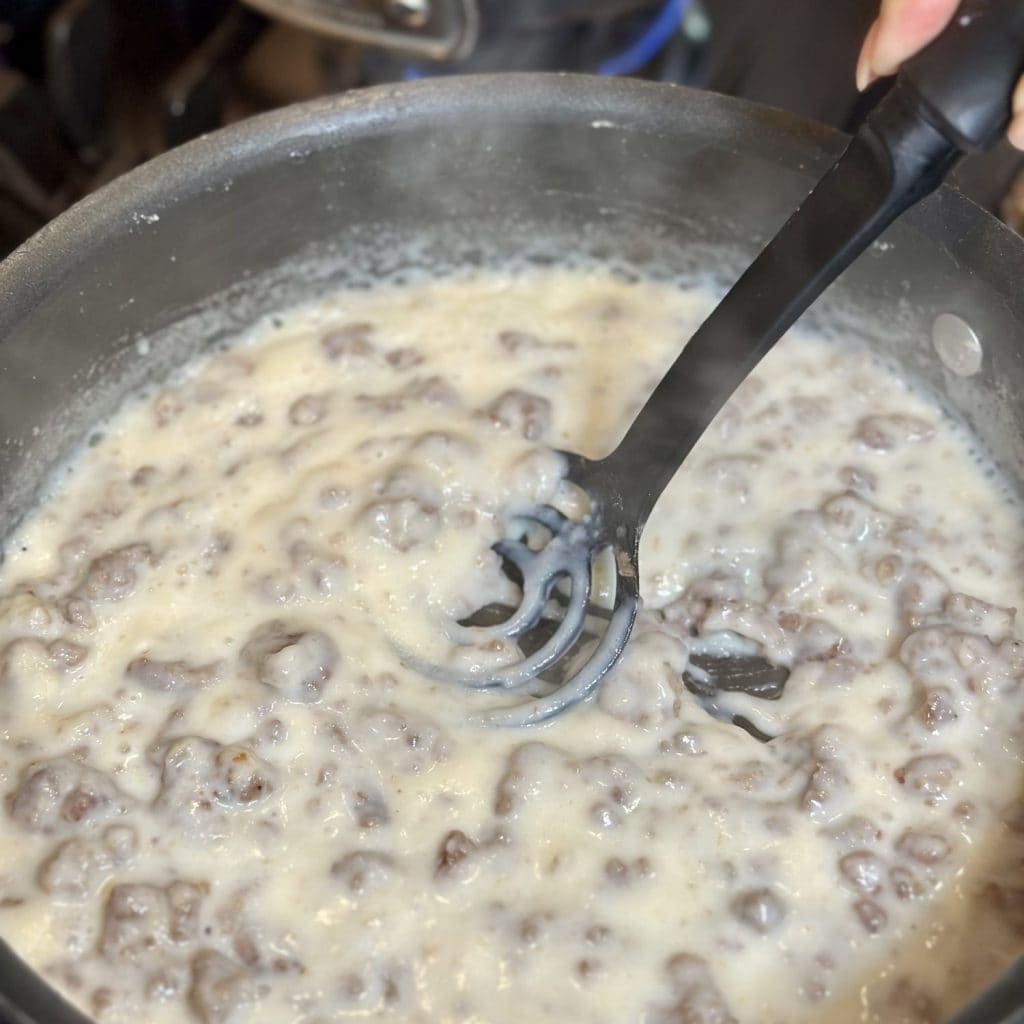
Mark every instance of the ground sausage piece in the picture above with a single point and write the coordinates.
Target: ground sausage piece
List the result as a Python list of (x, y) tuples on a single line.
[(377, 988), (220, 988), (403, 743), (113, 576), (403, 523), (857, 478), (931, 775), (455, 856), (924, 847), (369, 808), (849, 519), (816, 640), (78, 612), (698, 999), (515, 341), (350, 344), (427, 390), (433, 390), (937, 709), (922, 594), (871, 916), (614, 780), (689, 612), (759, 909), (404, 358), (522, 413), (905, 884), (308, 410), (863, 870), (142, 922), (973, 615), (855, 831), (825, 782), (202, 780), (536, 771), (621, 873), (529, 765), (886, 432), (63, 793), (688, 742), (76, 868), (364, 871), (645, 687), (295, 661), (170, 676), (67, 654)]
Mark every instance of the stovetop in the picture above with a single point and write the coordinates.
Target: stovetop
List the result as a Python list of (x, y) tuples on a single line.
[(90, 88)]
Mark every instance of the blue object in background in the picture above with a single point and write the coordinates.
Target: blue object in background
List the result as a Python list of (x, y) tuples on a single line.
[(637, 56), (650, 44)]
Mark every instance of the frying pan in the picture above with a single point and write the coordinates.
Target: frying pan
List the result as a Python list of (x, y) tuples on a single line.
[(177, 256)]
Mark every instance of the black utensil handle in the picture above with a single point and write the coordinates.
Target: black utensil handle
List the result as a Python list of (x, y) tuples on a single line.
[(965, 78), (904, 150)]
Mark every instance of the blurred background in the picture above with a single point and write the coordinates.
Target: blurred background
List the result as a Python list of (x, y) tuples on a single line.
[(90, 88)]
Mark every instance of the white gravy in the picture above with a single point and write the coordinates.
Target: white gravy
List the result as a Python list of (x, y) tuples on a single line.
[(227, 800)]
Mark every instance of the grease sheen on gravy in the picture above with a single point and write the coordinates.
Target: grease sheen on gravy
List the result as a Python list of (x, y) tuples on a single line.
[(226, 800)]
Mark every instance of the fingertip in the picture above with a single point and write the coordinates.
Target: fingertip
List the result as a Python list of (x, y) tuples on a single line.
[(1018, 97), (865, 74), (1015, 133)]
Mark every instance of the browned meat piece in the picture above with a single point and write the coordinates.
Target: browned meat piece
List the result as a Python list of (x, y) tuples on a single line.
[(759, 909), (204, 781), (698, 999), (62, 793), (364, 871), (114, 576), (402, 743), (883, 433), (863, 870), (350, 344), (143, 923), (293, 660), (522, 413), (79, 866), (308, 410), (171, 676), (220, 988), (932, 776), (455, 857)]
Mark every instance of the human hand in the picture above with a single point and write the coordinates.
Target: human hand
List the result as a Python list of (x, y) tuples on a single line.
[(901, 29)]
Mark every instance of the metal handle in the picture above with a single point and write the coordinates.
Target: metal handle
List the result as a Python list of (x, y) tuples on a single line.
[(435, 30)]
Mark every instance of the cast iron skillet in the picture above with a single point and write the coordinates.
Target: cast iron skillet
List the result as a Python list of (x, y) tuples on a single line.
[(197, 243)]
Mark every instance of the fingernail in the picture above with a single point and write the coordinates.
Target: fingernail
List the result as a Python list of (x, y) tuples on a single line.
[(865, 74)]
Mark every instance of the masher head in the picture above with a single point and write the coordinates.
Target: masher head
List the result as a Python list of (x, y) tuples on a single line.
[(568, 639)]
